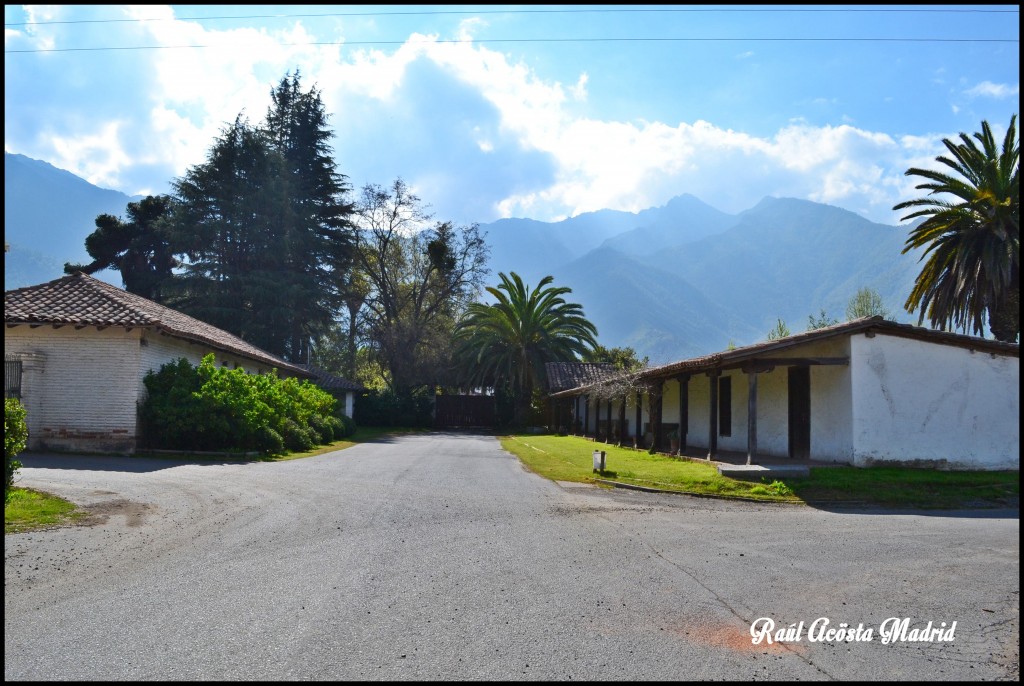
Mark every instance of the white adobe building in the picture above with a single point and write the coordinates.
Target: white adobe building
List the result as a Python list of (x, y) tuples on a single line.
[(863, 393), (76, 351)]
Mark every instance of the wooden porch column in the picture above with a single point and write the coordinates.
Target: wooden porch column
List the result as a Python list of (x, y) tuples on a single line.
[(586, 415), (622, 420), (713, 414), (575, 412), (639, 418), (655, 391), (684, 409), (608, 432), (751, 414)]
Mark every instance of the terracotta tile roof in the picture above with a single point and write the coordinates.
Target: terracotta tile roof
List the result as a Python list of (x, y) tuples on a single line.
[(81, 300), (330, 382), (565, 375), (736, 357)]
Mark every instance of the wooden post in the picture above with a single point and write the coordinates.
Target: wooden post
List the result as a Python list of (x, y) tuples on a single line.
[(751, 414), (639, 418), (622, 420), (713, 414), (684, 409), (608, 431), (655, 411), (586, 415)]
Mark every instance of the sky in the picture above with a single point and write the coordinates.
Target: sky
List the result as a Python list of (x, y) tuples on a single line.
[(535, 111)]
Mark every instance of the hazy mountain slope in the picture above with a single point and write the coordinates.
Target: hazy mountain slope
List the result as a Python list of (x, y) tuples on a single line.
[(48, 212), (790, 258), (683, 220), (656, 312)]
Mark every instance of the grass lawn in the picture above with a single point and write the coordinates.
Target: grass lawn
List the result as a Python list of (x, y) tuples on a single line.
[(28, 510), (568, 458)]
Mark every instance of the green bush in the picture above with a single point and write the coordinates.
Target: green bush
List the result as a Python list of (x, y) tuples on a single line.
[(214, 408), (348, 425), (269, 441), (15, 439), (323, 429), (338, 426)]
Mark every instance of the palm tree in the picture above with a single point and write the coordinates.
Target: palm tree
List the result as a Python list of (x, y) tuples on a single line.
[(972, 243), (508, 342)]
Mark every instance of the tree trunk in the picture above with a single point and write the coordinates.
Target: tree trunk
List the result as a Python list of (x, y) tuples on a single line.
[(1004, 319)]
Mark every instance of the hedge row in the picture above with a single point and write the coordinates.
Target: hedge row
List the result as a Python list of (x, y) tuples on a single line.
[(214, 408)]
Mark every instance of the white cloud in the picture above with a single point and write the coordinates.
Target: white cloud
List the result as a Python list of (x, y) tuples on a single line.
[(987, 89), (99, 158), (483, 134)]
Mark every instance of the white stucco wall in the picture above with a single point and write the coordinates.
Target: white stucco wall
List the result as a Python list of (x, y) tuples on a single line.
[(934, 405), (82, 395)]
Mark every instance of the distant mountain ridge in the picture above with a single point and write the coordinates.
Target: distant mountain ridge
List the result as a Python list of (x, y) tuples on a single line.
[(48, 212), (672, 282)]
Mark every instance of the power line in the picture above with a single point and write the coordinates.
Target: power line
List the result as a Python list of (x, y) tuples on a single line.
[(536, 40), (592, 10)]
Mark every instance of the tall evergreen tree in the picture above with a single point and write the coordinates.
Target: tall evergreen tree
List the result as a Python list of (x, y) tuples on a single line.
[(317, 238), (265, 224), (228, 218)]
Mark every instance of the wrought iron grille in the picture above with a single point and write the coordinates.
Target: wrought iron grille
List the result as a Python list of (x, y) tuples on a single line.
[(12, 378)]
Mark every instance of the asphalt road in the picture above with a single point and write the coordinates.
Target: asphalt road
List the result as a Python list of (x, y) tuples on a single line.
[(439, 557)]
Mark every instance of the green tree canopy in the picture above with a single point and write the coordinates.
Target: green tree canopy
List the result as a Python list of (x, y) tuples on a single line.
[(415, 278), (265, 224), (779, 331), (866, 303), (971, 236), (139, 248), (820, 321), (508, 343), (624, 358)]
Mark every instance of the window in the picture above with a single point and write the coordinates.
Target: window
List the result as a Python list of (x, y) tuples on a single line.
[(725, 406), (12, 377)]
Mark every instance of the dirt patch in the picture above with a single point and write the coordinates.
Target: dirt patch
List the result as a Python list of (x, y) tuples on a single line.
[(733, 637), (100, 513)]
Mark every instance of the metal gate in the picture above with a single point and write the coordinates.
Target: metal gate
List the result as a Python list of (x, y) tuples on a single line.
[(464, 411)]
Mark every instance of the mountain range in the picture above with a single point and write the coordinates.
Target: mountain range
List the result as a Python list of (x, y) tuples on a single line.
[(672, 282)]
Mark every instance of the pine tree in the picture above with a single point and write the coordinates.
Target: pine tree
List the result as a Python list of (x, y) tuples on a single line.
[(316, 234)]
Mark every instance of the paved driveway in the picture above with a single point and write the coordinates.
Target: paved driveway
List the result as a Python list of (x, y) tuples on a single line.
[(439, 557)]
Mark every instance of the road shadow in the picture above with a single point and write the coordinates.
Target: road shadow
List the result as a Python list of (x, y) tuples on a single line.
[(1009, 510), (116, 463)]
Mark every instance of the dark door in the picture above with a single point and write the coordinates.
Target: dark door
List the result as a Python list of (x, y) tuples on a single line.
[(799, 413)]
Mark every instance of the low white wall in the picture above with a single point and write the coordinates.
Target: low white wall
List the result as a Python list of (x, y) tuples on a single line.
[(79, 389), (934, 405)]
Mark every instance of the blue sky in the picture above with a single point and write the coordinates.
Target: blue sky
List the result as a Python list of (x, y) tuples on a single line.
[(539, 111)]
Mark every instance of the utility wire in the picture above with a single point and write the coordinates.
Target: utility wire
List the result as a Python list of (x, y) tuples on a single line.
[(592, 10), (536, 40)]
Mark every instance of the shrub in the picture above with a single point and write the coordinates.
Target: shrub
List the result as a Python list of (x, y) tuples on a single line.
[(297, 438), (214, 408), (339, 426), (269, 441), (15, 439), (322, 428)]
